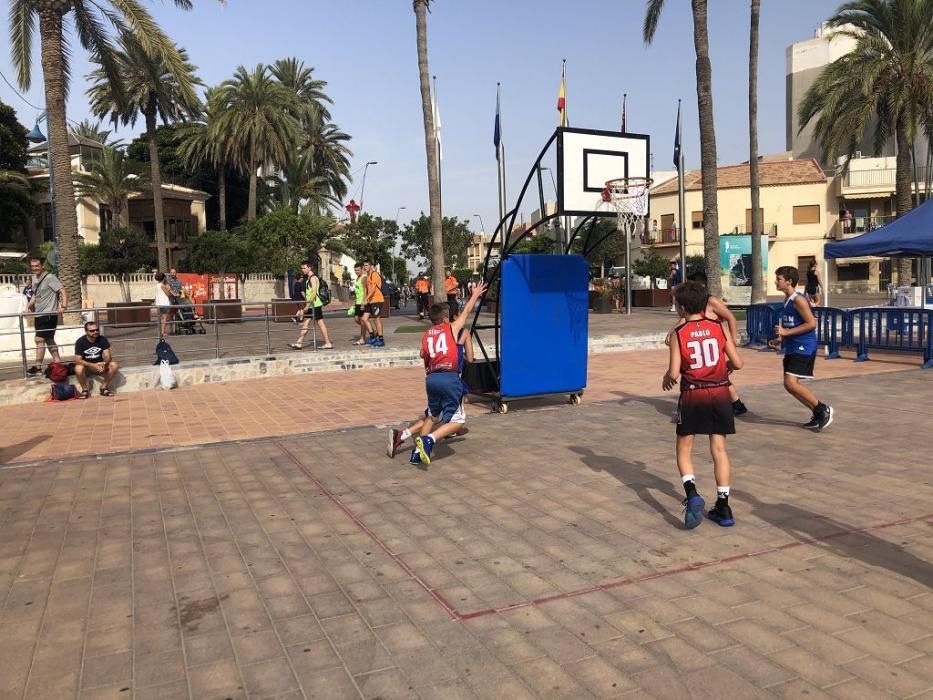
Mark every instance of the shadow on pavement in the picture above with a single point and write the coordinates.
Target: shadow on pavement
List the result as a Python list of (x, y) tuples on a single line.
[(802, 524), (9, 454), (634, 475)]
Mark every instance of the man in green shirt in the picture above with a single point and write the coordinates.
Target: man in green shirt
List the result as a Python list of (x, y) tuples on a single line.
[(313, 311), (359, 290)]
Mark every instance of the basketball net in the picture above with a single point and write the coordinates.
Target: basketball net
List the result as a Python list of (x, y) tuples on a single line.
[(629, 197)]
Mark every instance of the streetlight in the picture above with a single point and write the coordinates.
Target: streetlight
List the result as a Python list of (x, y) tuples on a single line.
[(363, 187), (481, 224), (397, 213), (36, 136), (397, 250)]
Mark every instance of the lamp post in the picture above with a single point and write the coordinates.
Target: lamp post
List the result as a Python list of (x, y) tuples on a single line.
[(481, 224), (397, 251), (36, 136), (363, 186)]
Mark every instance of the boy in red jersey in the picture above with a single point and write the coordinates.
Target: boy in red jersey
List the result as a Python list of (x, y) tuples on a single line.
[(702, 354), (441, 355)]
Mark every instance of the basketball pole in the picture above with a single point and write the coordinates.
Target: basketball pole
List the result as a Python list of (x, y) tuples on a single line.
[(628, 268)]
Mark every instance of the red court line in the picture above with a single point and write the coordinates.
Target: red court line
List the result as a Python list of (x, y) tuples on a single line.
[(614, 583)]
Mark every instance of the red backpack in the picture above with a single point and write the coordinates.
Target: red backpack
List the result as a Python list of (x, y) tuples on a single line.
[(58, 372)]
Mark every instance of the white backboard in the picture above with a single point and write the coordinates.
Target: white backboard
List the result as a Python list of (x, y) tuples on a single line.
[(586, 159)]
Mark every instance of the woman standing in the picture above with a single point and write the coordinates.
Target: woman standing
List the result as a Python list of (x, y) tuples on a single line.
[(814, 285), (162, 301)]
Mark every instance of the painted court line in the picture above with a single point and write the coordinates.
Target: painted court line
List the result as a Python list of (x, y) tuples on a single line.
[(614, 583)]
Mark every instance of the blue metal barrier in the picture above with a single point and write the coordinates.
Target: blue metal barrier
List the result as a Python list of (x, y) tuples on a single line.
[(832, 329), (886, 328), (760, 320)]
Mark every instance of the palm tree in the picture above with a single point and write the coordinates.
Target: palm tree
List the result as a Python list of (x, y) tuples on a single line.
[(16, 206), (203, 141), (148, 86), (322, 165), (89, 18), (884, 84), (430, 143), (327, 157), (759, 295), (257, 110), (704, 72), (90, 130), (308, 91), (109, 179)]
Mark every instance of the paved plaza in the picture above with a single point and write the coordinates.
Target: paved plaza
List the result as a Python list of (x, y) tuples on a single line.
[(541, 556)]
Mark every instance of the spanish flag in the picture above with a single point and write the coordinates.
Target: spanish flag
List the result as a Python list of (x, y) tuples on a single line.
[(562, 96)]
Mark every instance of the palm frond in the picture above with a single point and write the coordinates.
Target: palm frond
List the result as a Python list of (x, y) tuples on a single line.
[(22, 26), (652, 17)]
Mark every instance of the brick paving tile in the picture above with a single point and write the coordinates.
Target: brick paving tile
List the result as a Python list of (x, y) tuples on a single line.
[(245, 568)]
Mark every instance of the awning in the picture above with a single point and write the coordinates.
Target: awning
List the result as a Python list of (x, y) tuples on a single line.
[(866, 195)]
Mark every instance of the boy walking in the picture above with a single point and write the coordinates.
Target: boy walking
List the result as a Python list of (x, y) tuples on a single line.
[(797, 334), (702, 354), (313, 311), (359, 308), (445, 415), (373, 305)]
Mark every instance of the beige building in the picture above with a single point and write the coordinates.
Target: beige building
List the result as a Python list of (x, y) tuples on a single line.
[(476, 253), (183, 208), (798, 211)]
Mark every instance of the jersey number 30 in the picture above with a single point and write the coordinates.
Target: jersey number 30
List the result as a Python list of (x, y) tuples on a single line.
[(705, 354), (440, 347)]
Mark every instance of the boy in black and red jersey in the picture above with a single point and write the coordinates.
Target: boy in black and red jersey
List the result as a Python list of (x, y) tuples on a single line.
[(442, 362), (702, 354)]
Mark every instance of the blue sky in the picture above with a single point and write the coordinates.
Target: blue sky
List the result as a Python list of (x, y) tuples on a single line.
[(365, 49)]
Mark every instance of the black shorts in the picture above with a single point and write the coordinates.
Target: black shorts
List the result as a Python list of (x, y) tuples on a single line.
[(374, 310), (705, 412), (800, 366), (360, 310), (45, 327), (315, 313)]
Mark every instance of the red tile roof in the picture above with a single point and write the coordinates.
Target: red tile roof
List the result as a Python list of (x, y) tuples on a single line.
[(783, 172)]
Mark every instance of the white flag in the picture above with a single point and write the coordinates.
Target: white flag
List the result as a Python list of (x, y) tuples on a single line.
[(437, 123)]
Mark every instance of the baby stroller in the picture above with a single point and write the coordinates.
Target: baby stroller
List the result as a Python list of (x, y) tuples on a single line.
[(188, 322)]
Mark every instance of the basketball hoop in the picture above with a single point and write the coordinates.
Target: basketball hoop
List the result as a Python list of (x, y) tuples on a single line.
[(629, 197)]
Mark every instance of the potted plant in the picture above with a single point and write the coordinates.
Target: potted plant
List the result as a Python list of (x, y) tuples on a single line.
[(603, 296)]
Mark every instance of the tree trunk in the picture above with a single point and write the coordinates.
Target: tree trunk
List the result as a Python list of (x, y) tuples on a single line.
[(125, 287), (156, 178), (251, 203), (704, 70), (430, 142), (65, 213), (902, 179), (222, 196), (759, 295)]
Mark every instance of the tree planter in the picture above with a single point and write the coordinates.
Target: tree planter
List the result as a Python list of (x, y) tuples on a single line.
[(491, 307), (129, 313), (651, 297), (284, 310), (226, 311), (602, 304)]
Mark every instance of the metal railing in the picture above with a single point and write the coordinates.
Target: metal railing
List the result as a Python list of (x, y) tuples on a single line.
[(880, 177), (215, 330)]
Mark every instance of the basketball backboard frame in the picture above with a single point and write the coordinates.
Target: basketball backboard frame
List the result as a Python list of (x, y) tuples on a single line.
[(587, 158)]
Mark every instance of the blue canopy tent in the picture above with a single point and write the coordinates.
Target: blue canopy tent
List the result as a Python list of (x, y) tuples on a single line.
[(910, 235)]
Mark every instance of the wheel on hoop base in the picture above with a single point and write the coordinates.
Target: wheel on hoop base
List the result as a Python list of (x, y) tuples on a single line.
[(576, 399), (501, 407)]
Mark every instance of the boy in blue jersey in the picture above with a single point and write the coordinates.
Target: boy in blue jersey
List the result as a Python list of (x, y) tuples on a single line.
[(797, 335)]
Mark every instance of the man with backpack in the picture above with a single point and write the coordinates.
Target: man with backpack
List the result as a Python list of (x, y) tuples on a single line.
[(317, 295), (375, 296), (49, 299)]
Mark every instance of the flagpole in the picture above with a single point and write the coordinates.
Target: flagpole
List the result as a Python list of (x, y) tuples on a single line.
[(500, 155), (681, 206), (437, 142)]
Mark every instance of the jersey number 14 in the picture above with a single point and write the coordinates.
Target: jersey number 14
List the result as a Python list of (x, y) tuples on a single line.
[(437, 345), (703, 354)]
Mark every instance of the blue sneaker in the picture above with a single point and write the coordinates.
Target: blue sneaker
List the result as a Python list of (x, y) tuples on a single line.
[(693, 511), (721, 513), (372, 341), (380, 343), (415, 457), (425, 445)]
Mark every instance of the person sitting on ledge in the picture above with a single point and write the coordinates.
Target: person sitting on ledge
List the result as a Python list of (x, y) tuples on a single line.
[(92, 356)]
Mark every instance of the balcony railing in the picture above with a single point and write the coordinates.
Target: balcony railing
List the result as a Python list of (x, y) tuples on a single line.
[(770, 229), (661, 237), (859, 225), (880, 177)]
